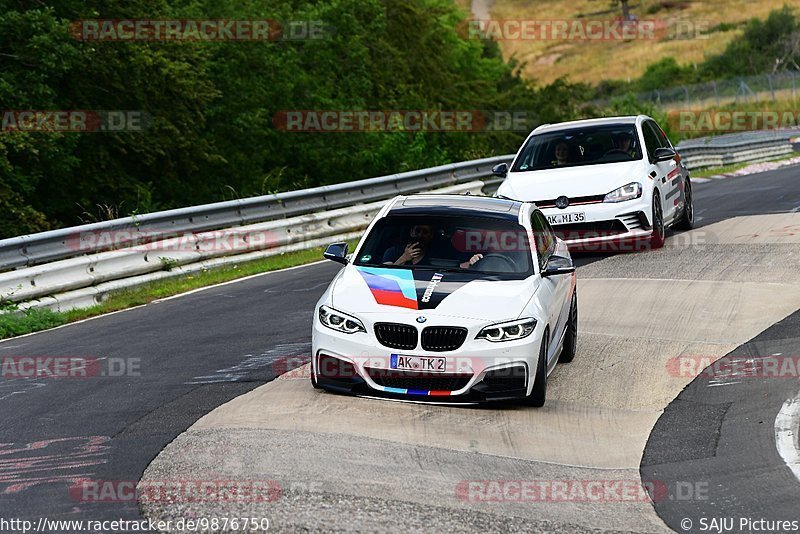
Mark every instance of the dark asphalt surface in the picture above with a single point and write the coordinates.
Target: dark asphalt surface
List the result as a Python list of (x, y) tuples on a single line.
[(193, 354), (241, 328), (717, 439)]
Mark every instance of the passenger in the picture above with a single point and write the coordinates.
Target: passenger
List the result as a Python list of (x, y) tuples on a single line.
[(414, 252), (419, 249), (562, 153)]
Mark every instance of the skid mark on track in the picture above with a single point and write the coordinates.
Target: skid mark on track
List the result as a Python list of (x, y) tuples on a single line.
[(276, 360), (18, 387), (23, 466)]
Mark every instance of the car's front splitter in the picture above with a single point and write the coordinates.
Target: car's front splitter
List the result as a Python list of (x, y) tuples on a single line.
[(495, 385)]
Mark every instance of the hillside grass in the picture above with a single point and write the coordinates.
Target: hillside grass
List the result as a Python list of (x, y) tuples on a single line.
[(594, 61)]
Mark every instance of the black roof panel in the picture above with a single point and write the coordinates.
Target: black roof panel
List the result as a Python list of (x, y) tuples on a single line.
[(490, 207)]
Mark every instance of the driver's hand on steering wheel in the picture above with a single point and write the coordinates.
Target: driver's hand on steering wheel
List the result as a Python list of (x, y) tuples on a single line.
[(472, 261)]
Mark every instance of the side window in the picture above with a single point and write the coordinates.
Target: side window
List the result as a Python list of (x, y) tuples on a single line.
[(544, 240), (662, 137), (651, 140)]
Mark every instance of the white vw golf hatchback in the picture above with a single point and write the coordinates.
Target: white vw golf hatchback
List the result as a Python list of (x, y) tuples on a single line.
[(604, 184)]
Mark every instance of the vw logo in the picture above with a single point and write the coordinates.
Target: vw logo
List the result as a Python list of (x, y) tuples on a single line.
[(421, 319), (562, 202)]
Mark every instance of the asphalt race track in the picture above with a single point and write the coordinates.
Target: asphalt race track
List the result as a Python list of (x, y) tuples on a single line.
[(619, 413)]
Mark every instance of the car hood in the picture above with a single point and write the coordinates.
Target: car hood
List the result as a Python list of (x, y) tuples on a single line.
[(572, 182), (364, 290)]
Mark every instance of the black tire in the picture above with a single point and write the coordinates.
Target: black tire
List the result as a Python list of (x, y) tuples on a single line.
[(657, 241), (571, 336), (686, 221), (539, 393)]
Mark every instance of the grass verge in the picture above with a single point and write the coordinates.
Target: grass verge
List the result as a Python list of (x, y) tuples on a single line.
[(705, 173), (18, 322)]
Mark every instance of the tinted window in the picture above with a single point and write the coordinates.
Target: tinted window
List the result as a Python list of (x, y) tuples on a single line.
[(579, 146), (651, 140), (662, 137), (445, 242), (543, 237)]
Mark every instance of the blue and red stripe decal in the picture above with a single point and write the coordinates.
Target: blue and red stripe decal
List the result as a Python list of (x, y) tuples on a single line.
[(392, 287), (429, 393)]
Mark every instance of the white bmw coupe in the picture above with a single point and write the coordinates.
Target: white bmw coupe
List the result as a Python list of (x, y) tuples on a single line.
[(610, 184), (448, 298)]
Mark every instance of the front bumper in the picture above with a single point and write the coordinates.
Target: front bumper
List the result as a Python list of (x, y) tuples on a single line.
[(479, 371), (617, 227)]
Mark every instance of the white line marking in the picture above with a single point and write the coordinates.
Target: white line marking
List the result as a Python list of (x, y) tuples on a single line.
[(786, 434), (164, 299), (199, 289)]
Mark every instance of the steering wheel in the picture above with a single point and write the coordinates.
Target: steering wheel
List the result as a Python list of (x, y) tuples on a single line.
[(504, 259), (616, 151)]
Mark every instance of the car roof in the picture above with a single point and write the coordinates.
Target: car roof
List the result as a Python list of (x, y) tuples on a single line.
[(464, 205), (630, 119)]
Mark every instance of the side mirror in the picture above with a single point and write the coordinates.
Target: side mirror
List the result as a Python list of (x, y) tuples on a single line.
[(557, 265), (664, 154), (501, 169), (336, 252)]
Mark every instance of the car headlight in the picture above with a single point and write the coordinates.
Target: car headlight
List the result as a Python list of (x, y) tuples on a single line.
[(508, 331), (626, 192), (341, 322)]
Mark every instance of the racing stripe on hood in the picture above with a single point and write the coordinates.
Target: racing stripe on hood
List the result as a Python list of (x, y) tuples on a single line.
[(413, 289), (434, 287)]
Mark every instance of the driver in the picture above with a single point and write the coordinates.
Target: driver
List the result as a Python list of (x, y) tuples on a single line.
[(623, 142), (419, 249)]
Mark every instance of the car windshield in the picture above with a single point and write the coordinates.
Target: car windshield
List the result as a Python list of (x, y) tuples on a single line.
[(449, 243), (579, 146)]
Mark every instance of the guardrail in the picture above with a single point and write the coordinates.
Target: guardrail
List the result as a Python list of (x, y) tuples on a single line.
[(78, 266), (96, 267), (29, 250), (735, 148)]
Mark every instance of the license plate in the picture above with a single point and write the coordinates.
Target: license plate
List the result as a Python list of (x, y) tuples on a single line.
[(566, 218), (418, 363)]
